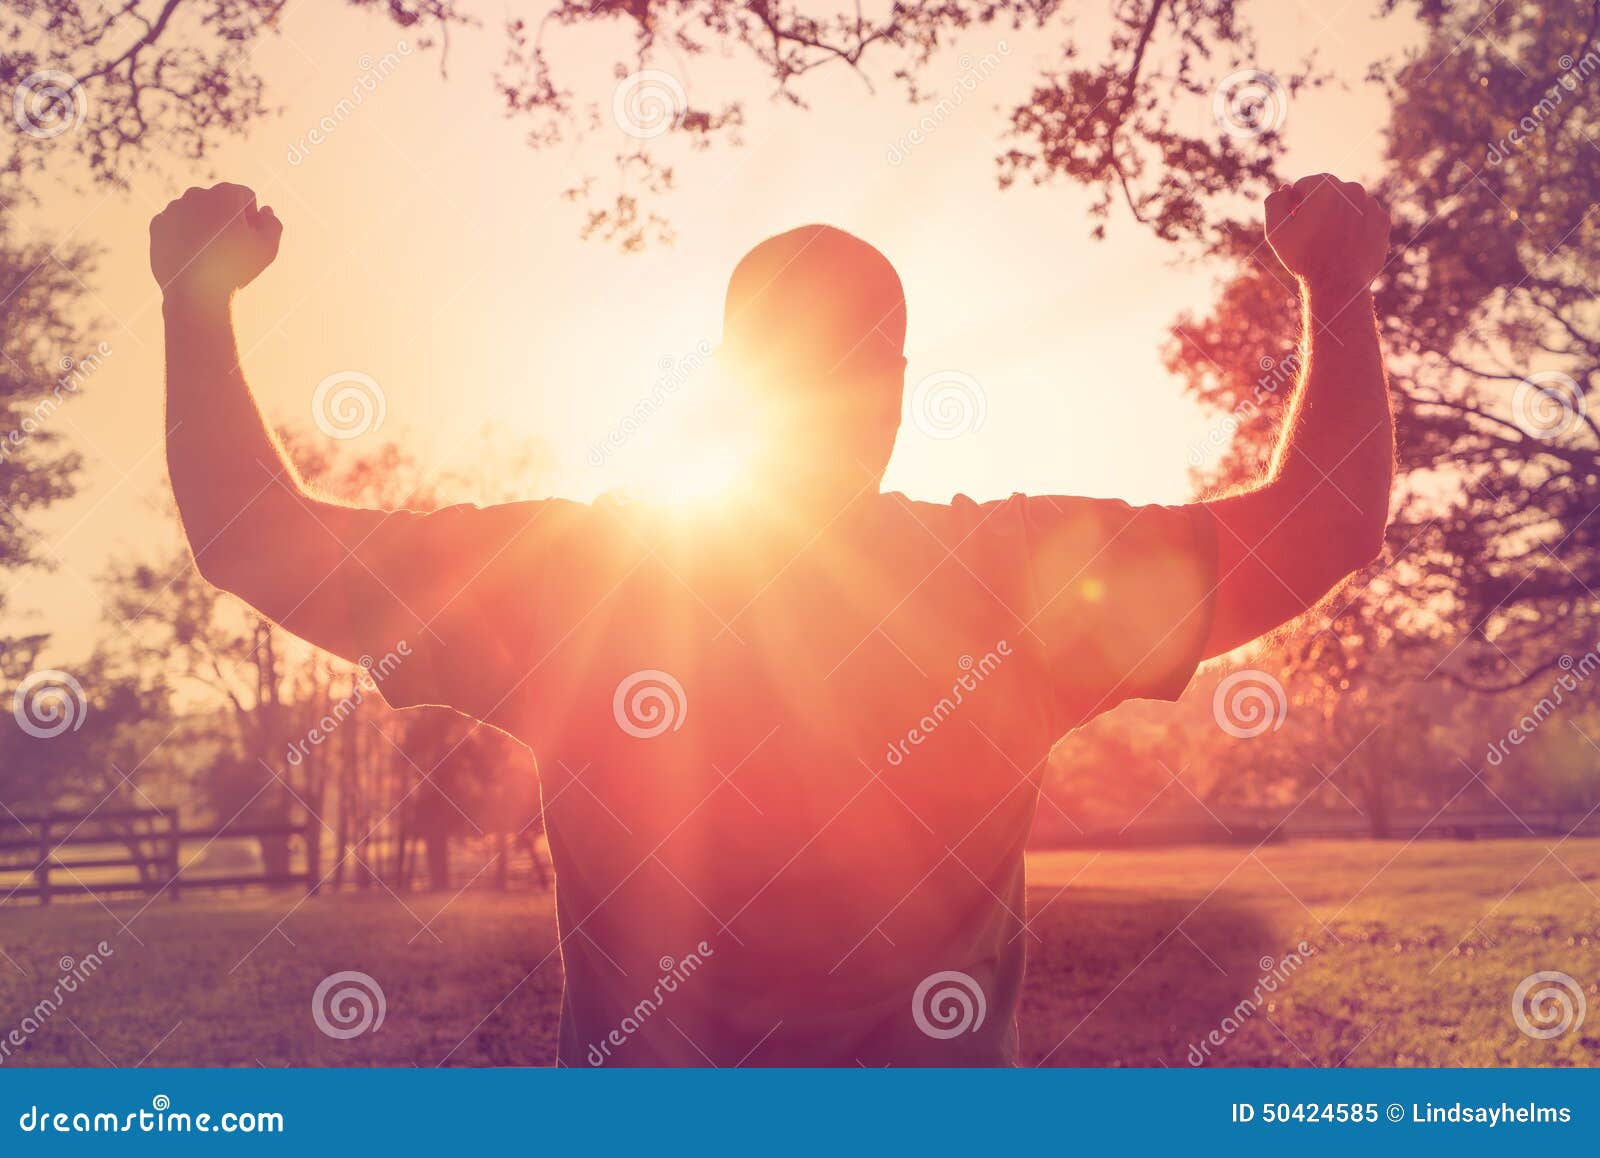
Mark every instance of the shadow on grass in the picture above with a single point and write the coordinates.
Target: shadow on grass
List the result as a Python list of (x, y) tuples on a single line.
[(1118, 978), (1115, 977)]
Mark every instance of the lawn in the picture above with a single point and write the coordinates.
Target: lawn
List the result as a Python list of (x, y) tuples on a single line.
[(1134, 959)]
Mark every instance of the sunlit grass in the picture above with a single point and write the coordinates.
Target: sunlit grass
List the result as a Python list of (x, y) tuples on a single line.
[(1137, 960)]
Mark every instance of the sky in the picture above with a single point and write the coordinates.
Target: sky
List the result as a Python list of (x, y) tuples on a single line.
[(428, 248)]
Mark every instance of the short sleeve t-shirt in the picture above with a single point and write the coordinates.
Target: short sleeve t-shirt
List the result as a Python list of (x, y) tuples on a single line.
[(788, 774)]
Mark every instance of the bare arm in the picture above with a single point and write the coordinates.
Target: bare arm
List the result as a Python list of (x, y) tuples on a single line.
[(253, 527), (1322, 510)]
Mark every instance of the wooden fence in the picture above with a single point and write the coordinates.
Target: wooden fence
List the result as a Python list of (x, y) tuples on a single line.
[(54, 849), (1255, 826)]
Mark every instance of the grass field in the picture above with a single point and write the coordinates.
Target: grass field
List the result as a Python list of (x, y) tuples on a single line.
[(1134, 958)]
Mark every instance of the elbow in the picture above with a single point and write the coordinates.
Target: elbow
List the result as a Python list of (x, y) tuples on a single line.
[(232, 559), (1361, 542), (220, 567), (231, 545), (1374, 530), (1372, 551)]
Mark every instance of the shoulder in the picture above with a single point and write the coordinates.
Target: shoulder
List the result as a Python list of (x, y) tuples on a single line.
[(1011, 517)]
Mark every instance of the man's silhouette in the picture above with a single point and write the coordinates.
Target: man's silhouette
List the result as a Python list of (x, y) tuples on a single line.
[(790, 751)]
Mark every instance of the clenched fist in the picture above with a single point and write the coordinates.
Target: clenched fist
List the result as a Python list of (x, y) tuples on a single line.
[(1328, 232), (209, 242)]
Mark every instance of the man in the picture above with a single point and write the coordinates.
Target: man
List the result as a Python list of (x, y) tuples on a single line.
[(790, 750)]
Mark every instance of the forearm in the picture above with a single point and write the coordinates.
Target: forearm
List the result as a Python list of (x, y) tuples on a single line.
[(1320, 514), (254, 529), (229, 474), (1336, 452)]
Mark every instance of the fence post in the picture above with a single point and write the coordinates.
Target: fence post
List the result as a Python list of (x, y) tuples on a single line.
[(313, 842), (173, 862), (42, 871)]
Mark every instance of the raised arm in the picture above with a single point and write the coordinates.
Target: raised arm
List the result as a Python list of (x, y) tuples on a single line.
[(253, 527), (1321, 512)]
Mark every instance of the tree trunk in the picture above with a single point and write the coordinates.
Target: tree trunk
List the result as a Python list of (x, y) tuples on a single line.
[(1377, 801), (437, 847)]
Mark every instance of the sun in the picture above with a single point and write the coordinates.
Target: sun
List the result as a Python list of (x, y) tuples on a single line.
[(697, 471), (696, 481)]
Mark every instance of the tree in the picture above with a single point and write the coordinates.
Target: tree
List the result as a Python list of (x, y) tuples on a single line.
[(1494, 343), (118, 86), (1486, 306), (253, 692), (471, 781), (42, 366)]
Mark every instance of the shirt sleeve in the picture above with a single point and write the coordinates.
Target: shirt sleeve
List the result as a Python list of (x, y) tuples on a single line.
[(1122, 597), (446, 605)]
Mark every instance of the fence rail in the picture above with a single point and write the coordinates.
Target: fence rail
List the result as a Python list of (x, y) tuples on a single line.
[(151, 842), (1255, 826)]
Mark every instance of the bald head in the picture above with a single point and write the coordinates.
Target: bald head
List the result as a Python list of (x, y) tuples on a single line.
[(814, 327), (816, 303)]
